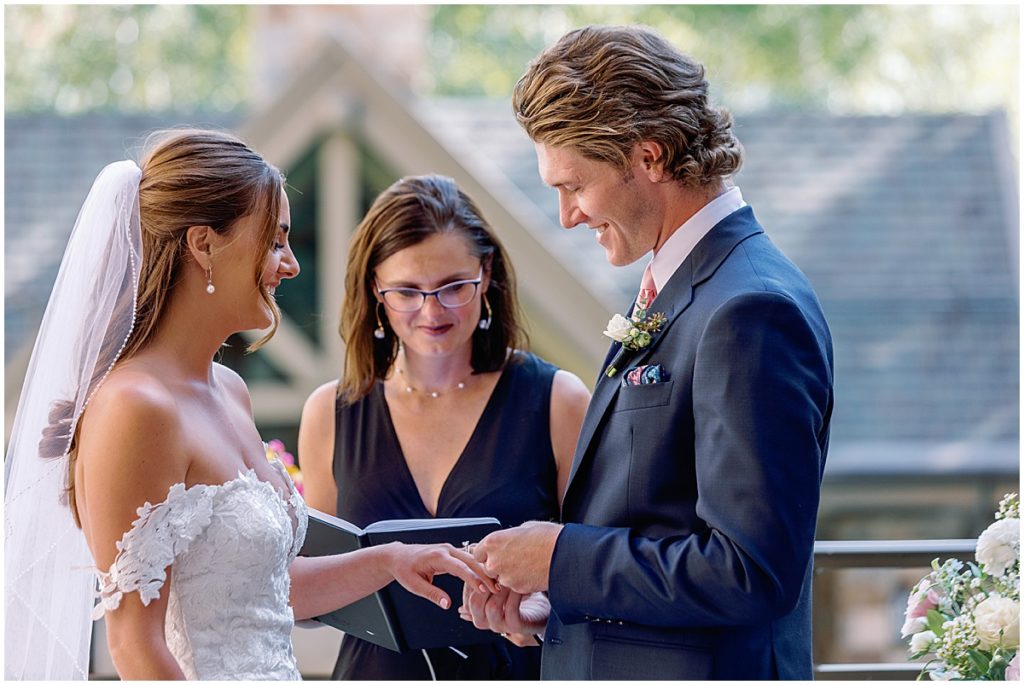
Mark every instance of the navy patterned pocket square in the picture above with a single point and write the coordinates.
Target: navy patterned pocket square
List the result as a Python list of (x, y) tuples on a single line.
[(644, 375)]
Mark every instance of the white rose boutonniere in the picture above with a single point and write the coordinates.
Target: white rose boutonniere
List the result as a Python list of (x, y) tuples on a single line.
[(618, 328), (634, 334)]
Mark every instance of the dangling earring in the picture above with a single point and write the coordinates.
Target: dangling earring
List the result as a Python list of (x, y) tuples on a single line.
[(485, 323), (209, 280), (379, 332)]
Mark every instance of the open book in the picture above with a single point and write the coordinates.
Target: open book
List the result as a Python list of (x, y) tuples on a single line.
[(393, 617)]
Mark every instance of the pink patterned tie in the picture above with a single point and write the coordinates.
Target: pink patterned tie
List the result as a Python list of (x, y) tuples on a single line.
[(647, 289)]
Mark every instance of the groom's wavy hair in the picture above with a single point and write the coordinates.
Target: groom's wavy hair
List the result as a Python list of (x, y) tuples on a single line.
[(190, 177), (600, 90), (411, 210)]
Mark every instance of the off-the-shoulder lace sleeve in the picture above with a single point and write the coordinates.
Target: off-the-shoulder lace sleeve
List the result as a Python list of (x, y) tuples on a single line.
[(159, 534)]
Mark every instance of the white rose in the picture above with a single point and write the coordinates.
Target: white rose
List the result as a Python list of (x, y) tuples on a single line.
[(619, 328), (912, 626), (922, 642), (996, 614), (998, 546)]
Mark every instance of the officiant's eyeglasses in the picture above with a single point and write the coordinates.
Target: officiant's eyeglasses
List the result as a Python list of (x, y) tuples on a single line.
[(451, 296)]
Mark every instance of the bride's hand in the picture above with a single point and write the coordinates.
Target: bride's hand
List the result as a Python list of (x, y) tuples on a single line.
[(414, 567)]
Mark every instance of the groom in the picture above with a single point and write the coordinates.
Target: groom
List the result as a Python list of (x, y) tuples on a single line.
[(686, 545)]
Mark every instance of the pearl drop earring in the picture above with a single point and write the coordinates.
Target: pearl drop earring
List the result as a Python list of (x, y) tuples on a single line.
[(378, 333), (485, 323), (209, 280)]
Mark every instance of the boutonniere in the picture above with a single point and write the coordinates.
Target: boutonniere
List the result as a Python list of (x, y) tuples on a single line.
[(634, 333)]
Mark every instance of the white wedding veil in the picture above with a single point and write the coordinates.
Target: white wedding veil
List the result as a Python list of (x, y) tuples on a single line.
[(49, 579)]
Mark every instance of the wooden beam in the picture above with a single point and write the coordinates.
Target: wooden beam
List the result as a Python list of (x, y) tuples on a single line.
[(339, 213)]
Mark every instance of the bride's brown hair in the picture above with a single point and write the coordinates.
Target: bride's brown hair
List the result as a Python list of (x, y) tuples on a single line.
[(190, 177)]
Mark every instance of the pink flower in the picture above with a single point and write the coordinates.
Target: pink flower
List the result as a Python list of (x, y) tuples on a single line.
[(1013, 669), (920, 603), (276, 445), (288, 458)]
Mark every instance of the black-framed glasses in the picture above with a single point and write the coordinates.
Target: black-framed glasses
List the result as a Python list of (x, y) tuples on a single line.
[(451, 296)]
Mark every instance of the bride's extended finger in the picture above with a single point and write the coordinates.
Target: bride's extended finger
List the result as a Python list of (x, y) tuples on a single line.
[(455, 566), (418, 585), (476, 566)]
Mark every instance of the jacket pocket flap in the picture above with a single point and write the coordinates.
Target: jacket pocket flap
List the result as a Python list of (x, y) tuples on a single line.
[(643, 396)]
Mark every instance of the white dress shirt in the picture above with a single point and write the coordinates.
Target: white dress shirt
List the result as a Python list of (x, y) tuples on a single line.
[(681, 243)]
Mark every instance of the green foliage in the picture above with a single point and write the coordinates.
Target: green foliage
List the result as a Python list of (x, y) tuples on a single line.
[(840, 58), (978, 660), (75, 58)]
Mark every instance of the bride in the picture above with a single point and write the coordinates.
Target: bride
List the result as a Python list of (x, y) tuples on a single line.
[(193, 534)]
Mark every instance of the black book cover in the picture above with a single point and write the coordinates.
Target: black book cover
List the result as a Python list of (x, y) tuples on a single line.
[(393, 617)]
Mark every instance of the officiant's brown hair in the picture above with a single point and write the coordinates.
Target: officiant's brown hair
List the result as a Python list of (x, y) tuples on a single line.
[(411, 210), (600, 90)]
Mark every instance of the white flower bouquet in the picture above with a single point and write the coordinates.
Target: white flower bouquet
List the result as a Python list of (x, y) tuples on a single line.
[(965, 618)]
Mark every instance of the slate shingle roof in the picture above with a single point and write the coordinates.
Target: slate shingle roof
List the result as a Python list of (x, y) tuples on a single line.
[(49, 165), (902, 224)]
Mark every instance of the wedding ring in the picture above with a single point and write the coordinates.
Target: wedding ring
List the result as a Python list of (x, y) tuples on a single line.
[(468, 546)]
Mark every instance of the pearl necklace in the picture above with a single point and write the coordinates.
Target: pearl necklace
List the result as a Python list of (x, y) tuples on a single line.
[(432, 393)]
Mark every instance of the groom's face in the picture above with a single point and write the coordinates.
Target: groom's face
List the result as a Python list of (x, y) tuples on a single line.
[(620, 207)]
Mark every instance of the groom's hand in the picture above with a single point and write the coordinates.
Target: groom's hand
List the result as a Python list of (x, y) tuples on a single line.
[(516, 617), (520, 558)]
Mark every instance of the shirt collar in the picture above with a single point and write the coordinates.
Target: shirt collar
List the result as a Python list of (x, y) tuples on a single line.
[(681, 243)]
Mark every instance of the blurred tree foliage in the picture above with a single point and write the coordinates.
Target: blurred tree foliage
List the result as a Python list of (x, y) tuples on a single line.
[(842, 58), (133, 57), (845, 58)]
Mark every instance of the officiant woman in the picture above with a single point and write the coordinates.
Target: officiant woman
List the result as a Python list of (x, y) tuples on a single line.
[(440, 411)]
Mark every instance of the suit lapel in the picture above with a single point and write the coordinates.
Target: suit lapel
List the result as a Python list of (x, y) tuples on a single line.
[(673, 300), (604, 391), (676, 295)]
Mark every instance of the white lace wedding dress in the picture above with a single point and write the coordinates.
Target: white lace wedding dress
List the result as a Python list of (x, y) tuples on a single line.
[(228, 616)]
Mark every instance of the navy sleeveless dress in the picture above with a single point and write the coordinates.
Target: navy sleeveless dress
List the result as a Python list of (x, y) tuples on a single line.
[(507, 470)]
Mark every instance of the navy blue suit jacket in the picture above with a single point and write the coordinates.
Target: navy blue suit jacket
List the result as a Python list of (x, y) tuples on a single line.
[(691, 505)]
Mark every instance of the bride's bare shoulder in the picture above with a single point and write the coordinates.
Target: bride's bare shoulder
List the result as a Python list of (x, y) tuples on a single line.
[(132, 389), (134, 417), (131, 450)]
